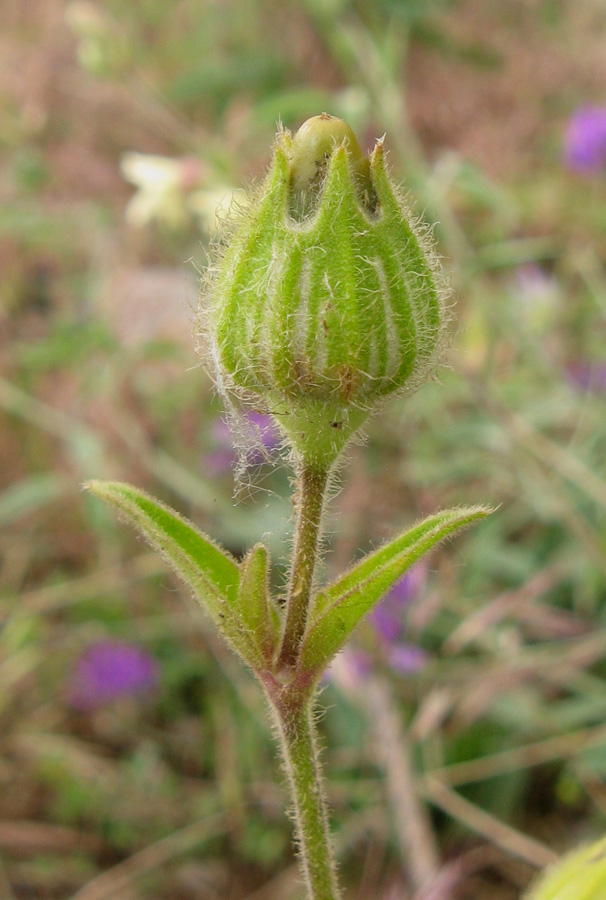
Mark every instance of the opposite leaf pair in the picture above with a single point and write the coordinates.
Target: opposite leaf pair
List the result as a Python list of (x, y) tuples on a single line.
[(236, 596)]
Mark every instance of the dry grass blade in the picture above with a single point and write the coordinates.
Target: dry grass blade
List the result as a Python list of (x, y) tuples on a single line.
[(495, 831), (417, 842), (57, 596), (551, 749), (506, 604), (152, 857), (38, 837)]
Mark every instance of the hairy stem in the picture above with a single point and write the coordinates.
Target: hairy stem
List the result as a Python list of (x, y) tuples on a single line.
[(310, 489), (297, 731)]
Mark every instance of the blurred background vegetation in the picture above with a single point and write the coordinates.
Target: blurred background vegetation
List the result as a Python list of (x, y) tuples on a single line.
[(122, 127)]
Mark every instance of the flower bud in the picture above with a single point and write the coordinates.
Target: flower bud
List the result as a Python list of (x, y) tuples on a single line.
[(327, 297)]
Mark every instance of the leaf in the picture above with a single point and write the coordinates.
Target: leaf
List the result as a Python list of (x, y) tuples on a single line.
[(254, 601), (338, 609), (212, 574)]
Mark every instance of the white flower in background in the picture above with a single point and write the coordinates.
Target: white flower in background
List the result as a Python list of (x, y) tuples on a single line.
[(171, 191), (159, 194), (211, 206)]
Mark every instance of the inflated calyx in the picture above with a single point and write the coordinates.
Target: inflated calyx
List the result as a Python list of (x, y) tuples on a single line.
[(326, 296)]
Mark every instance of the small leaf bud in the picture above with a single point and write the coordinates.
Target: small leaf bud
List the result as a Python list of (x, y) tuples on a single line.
[(327, 297)]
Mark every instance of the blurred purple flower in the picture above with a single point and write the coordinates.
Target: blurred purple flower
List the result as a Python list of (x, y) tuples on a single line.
[(266, 429), (387, 617), (536, 293), (109, 670), (388, 622), (587, 376), (585, 140), (352, 665), (406, 658), (223, 458), (218, 462), (534, 284)]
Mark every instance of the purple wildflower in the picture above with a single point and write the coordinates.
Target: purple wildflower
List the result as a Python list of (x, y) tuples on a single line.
[(218, 462), (351, 666), (535, 285), (223, 458), (587, 376), (388, 622), (109, 670), (387, 617), (585, 141), (537, 294), (267, 429), (406, 658)]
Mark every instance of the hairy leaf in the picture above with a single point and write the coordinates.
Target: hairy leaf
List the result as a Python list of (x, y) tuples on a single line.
[(340, 607), (211, 573), (254, 601)]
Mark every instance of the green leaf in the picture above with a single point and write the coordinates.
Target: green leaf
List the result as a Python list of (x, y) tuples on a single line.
[(211, 573), (255, 604), (338, 609)]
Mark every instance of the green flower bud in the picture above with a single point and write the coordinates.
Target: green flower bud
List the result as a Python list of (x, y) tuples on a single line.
[(327, 297), (579, 876)]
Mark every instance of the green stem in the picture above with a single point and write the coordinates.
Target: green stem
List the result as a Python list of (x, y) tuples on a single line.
[(291, 695), (311, 485), (298, 739)]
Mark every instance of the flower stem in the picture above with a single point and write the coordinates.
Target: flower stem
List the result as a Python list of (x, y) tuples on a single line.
[(297, 731), (311, 486), (291, 694)]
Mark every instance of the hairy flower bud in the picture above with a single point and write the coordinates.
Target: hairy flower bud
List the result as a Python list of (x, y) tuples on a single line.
[(327, 297)]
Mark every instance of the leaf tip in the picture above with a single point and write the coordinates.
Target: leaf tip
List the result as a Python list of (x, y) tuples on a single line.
[(484, 510), (93, 486), (111, 491)]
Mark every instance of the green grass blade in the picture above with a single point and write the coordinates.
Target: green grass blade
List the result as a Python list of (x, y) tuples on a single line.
[(340, 607)]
